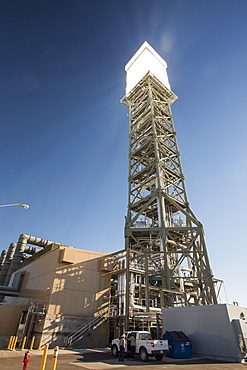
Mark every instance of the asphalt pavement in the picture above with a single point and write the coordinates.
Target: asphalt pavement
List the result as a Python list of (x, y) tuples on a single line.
[(101, 359)]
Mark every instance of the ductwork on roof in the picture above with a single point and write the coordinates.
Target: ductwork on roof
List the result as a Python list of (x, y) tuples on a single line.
[(8, 259), (13, 291), (2, 258), (22, 248), (11, 260)]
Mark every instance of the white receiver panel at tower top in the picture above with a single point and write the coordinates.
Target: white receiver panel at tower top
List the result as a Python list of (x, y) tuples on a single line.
[(145, 59)]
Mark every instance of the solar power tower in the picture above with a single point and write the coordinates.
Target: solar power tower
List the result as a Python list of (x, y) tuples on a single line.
[(165, 262)]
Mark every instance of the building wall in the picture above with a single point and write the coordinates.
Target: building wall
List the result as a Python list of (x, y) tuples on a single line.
[(212, 329), (56, 329), (69, 280), (38, 280), (80, 287), (74, 285), (9, 320)]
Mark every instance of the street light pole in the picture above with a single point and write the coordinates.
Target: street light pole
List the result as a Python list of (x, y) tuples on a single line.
[(15, 204)]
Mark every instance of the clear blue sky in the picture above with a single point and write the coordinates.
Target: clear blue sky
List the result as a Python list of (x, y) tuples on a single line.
[(64, 133)]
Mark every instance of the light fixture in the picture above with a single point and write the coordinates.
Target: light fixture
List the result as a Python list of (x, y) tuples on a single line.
[(26, 206)]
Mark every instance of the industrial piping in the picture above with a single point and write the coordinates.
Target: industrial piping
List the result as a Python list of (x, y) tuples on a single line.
[(7, 262), (15, 253), (2, 258), (27, 250), (5, 272), (15, 288)]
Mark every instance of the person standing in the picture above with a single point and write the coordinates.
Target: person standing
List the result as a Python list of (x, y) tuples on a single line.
[(121, 348), (132, 346)]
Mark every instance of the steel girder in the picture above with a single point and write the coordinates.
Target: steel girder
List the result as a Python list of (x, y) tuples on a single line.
[(161, 228)]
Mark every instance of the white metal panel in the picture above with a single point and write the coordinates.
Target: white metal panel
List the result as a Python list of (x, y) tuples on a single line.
[(238, 318), (145, 59), (211, 329)]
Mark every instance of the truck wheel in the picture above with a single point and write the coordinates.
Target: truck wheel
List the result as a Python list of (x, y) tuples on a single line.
[(158, 357), (114, 351), (143, 354)]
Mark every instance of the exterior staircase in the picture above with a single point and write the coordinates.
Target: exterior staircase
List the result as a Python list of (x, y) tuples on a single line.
[(80, 332)]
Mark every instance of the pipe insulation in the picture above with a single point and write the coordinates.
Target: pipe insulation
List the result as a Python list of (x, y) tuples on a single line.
[(2, 258), (28, 250), (7, 262), (13, 291), (15, 255)]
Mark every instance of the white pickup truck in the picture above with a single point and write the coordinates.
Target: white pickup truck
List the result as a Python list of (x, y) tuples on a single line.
[(145, 345)]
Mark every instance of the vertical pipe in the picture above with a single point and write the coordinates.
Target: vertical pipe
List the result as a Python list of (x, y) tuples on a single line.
[(146, 282), (30, 319), (44, 357), (127, 290), (54, 359), (15, 262), (21, 247), (7, 263), (2, 258)]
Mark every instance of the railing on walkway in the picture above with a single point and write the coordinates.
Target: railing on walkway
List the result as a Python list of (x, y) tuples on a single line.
[(83, 329)]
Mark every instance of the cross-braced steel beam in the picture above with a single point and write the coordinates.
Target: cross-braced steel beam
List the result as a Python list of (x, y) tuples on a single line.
[(165, 263)]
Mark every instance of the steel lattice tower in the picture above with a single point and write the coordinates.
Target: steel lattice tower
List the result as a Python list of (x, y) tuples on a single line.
[(165, 262)]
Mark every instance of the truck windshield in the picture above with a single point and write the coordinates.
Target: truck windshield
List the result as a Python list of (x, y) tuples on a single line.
[(145, 336)]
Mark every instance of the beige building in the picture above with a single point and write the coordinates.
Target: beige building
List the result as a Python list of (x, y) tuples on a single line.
[(62, 289)]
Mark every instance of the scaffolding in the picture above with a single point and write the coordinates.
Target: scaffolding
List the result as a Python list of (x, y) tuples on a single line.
[(165, 261)]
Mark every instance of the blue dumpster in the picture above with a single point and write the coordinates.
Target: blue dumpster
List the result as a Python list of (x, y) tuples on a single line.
[(179, 344)]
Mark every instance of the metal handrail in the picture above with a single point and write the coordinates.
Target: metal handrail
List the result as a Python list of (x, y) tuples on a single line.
[(78, 333)]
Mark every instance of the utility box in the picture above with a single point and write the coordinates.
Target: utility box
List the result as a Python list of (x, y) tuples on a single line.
[(179, 344), (217, 332)]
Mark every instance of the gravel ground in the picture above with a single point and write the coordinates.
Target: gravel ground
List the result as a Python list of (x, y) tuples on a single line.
[(7, 353), (101, 359)]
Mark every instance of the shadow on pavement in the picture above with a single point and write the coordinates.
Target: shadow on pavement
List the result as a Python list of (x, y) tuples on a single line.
[(107, 357)]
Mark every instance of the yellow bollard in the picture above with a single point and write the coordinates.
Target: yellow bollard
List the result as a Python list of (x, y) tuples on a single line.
[(54, 359), (23, 342), (14, 343), (40, 342), (10, 342), (32, 343), (44, 357)]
